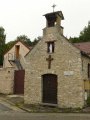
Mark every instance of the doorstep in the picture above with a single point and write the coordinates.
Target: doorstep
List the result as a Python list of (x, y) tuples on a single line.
[(49, 104)]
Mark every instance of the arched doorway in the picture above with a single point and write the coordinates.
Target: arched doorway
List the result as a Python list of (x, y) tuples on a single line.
[(50, 88)]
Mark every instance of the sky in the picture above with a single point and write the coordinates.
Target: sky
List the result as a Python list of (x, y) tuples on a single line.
[(25, 17)]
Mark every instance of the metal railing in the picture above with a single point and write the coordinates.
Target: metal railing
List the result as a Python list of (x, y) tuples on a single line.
[(12, 56)]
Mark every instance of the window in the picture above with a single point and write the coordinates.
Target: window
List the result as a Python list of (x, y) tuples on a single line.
[(88, 70), (82, 65), (50, 47)]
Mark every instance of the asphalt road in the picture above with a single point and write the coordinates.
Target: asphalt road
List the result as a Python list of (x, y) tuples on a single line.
[(43, 116), (4, 108), (8, 112)]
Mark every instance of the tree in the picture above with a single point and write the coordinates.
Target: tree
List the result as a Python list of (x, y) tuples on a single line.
[(2, 44), (84, 35), (36, 40), (74, 40), (25, 39), (10, 44)]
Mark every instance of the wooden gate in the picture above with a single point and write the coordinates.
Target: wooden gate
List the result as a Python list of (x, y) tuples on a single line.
[(19, 81), (50, 88)]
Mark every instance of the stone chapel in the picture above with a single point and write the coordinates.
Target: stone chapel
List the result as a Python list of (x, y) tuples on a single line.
[(57, 70)]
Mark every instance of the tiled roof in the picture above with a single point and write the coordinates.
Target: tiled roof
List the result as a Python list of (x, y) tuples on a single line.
[(84, 46)]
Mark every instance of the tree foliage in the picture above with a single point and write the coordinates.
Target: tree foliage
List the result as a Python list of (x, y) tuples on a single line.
[(2, 44), (75, 39), (10, 44), (36, 40), (25, 39), (4, 47), (84, 35)]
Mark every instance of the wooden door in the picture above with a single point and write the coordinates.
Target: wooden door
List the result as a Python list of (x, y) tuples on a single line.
[(17, 52), (50, 88), (19, 81)]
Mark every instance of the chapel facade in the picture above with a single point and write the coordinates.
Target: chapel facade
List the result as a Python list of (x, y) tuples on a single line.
[(57, 70)]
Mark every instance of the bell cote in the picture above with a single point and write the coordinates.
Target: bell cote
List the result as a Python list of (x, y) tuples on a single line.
[(53, 19)]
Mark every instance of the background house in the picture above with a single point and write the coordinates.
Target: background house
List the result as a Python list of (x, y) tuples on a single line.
[(12, 73), (15, 55)]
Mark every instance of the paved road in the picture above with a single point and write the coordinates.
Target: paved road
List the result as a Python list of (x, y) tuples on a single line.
[(13, 113), (43, 116), (4, 108)]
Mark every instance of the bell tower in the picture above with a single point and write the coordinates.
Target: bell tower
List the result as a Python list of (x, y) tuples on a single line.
[(53, 19)]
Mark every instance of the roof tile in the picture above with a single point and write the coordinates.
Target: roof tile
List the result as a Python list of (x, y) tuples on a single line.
[(84, 46)]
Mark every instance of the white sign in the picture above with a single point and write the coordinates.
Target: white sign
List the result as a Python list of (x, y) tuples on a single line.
[(68, 72)]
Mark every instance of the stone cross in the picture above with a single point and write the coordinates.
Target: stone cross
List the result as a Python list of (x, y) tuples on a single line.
[(49, 59), (53, 7)]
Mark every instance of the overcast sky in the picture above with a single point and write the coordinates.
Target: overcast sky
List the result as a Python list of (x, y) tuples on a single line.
[(25, 17)]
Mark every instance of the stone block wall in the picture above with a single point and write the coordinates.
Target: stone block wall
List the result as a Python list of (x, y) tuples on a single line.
[(6, 80), (66, 58), (85, 63), (86, 79)]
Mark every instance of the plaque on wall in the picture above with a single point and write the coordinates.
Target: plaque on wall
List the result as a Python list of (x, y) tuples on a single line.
[(68, 72)]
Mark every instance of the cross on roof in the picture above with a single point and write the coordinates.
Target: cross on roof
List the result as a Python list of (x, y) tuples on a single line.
[(49, 59), (54, 6)]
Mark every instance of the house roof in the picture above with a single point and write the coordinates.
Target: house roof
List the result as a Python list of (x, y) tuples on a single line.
[(83, 52), (15, 44), (84, 46)]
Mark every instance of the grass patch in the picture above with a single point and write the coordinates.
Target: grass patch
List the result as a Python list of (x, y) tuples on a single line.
[(77, 108), (54, 111), (21, 104), (17, 105), (38, 105), (67, 111), (32, 111)]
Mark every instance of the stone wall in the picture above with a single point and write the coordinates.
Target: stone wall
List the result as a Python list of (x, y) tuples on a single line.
[(6, 80), (85, 63), (67, 58)]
